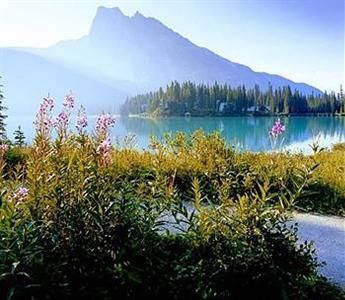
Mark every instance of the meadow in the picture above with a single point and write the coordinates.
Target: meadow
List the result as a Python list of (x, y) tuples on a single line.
[(189, 218)]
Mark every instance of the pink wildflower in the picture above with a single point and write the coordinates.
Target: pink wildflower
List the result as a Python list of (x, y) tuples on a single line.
[(3, 148), (69, 101), (62, 120), (43, 120), (277, 129), (82, 120), (47, 105), (103, 123), (104, 150), (20, 194)]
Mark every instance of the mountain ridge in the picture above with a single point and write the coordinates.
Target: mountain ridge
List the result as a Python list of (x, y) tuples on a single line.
[(135, 54), (103, 15)]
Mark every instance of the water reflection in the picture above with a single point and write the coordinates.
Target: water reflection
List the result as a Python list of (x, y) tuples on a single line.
[(243, 132), (246, 132)]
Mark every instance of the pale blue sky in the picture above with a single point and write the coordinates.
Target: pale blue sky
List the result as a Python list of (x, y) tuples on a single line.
[(299, 39)]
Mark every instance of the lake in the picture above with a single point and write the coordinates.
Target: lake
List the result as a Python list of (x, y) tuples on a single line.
[(245, 133)]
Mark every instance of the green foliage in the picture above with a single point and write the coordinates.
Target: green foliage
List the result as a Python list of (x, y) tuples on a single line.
[(15, 161), (325, 191), (19, 138), (202, 100), (189, 219)]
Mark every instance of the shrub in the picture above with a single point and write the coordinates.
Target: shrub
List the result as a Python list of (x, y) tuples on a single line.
[(339, 147), (16, 157), (193, 220)]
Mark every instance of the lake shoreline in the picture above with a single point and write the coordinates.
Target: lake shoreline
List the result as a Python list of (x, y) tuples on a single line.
[(145, 116), (247, 133)]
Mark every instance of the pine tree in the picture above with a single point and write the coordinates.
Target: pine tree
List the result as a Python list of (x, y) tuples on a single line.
[(342, 100), (256, 96), (203, 99), (3, 116), (19, 138), (286, 98), (270, 97)]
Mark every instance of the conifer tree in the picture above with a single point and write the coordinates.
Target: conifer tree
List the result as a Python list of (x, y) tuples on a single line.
[(342, 100), (286, 97), (3, 116), (19, 138), (205, 99), (270, 98)]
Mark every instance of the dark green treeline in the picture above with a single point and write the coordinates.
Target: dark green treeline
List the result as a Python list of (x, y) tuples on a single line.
[(203, 100)]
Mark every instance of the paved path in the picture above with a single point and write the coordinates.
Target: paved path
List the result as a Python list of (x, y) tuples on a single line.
[(328, 234)]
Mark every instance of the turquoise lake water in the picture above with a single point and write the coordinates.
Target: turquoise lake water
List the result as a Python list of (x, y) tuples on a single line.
[(245, 133)]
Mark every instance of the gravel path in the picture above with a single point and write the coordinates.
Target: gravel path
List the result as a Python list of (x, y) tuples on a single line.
[(328, 235)]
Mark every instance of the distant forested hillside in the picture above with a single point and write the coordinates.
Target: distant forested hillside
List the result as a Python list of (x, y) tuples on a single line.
[(193, 99)]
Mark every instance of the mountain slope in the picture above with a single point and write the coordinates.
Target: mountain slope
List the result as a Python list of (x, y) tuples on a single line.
[(28, 77), (144, 51), (120, 56)]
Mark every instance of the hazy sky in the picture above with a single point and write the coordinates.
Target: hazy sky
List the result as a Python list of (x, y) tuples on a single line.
[(302, 40)]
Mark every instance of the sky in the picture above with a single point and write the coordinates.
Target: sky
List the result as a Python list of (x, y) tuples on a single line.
[(302, 40)]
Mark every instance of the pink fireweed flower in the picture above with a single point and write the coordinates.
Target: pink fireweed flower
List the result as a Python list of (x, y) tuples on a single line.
[(277, 129), (104, 122), (62, 120), (82, 120), (43, 120), (20, 194), (104, 150), (104, 146), (3, 148), (47, 123), (47, 105), (69, 101)]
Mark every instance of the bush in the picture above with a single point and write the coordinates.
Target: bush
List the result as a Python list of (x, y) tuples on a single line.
[(16, 157), (339, 147), (192, 220)]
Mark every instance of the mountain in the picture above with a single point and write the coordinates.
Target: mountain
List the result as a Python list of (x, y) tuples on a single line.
[(27, 78), (122, 56)]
